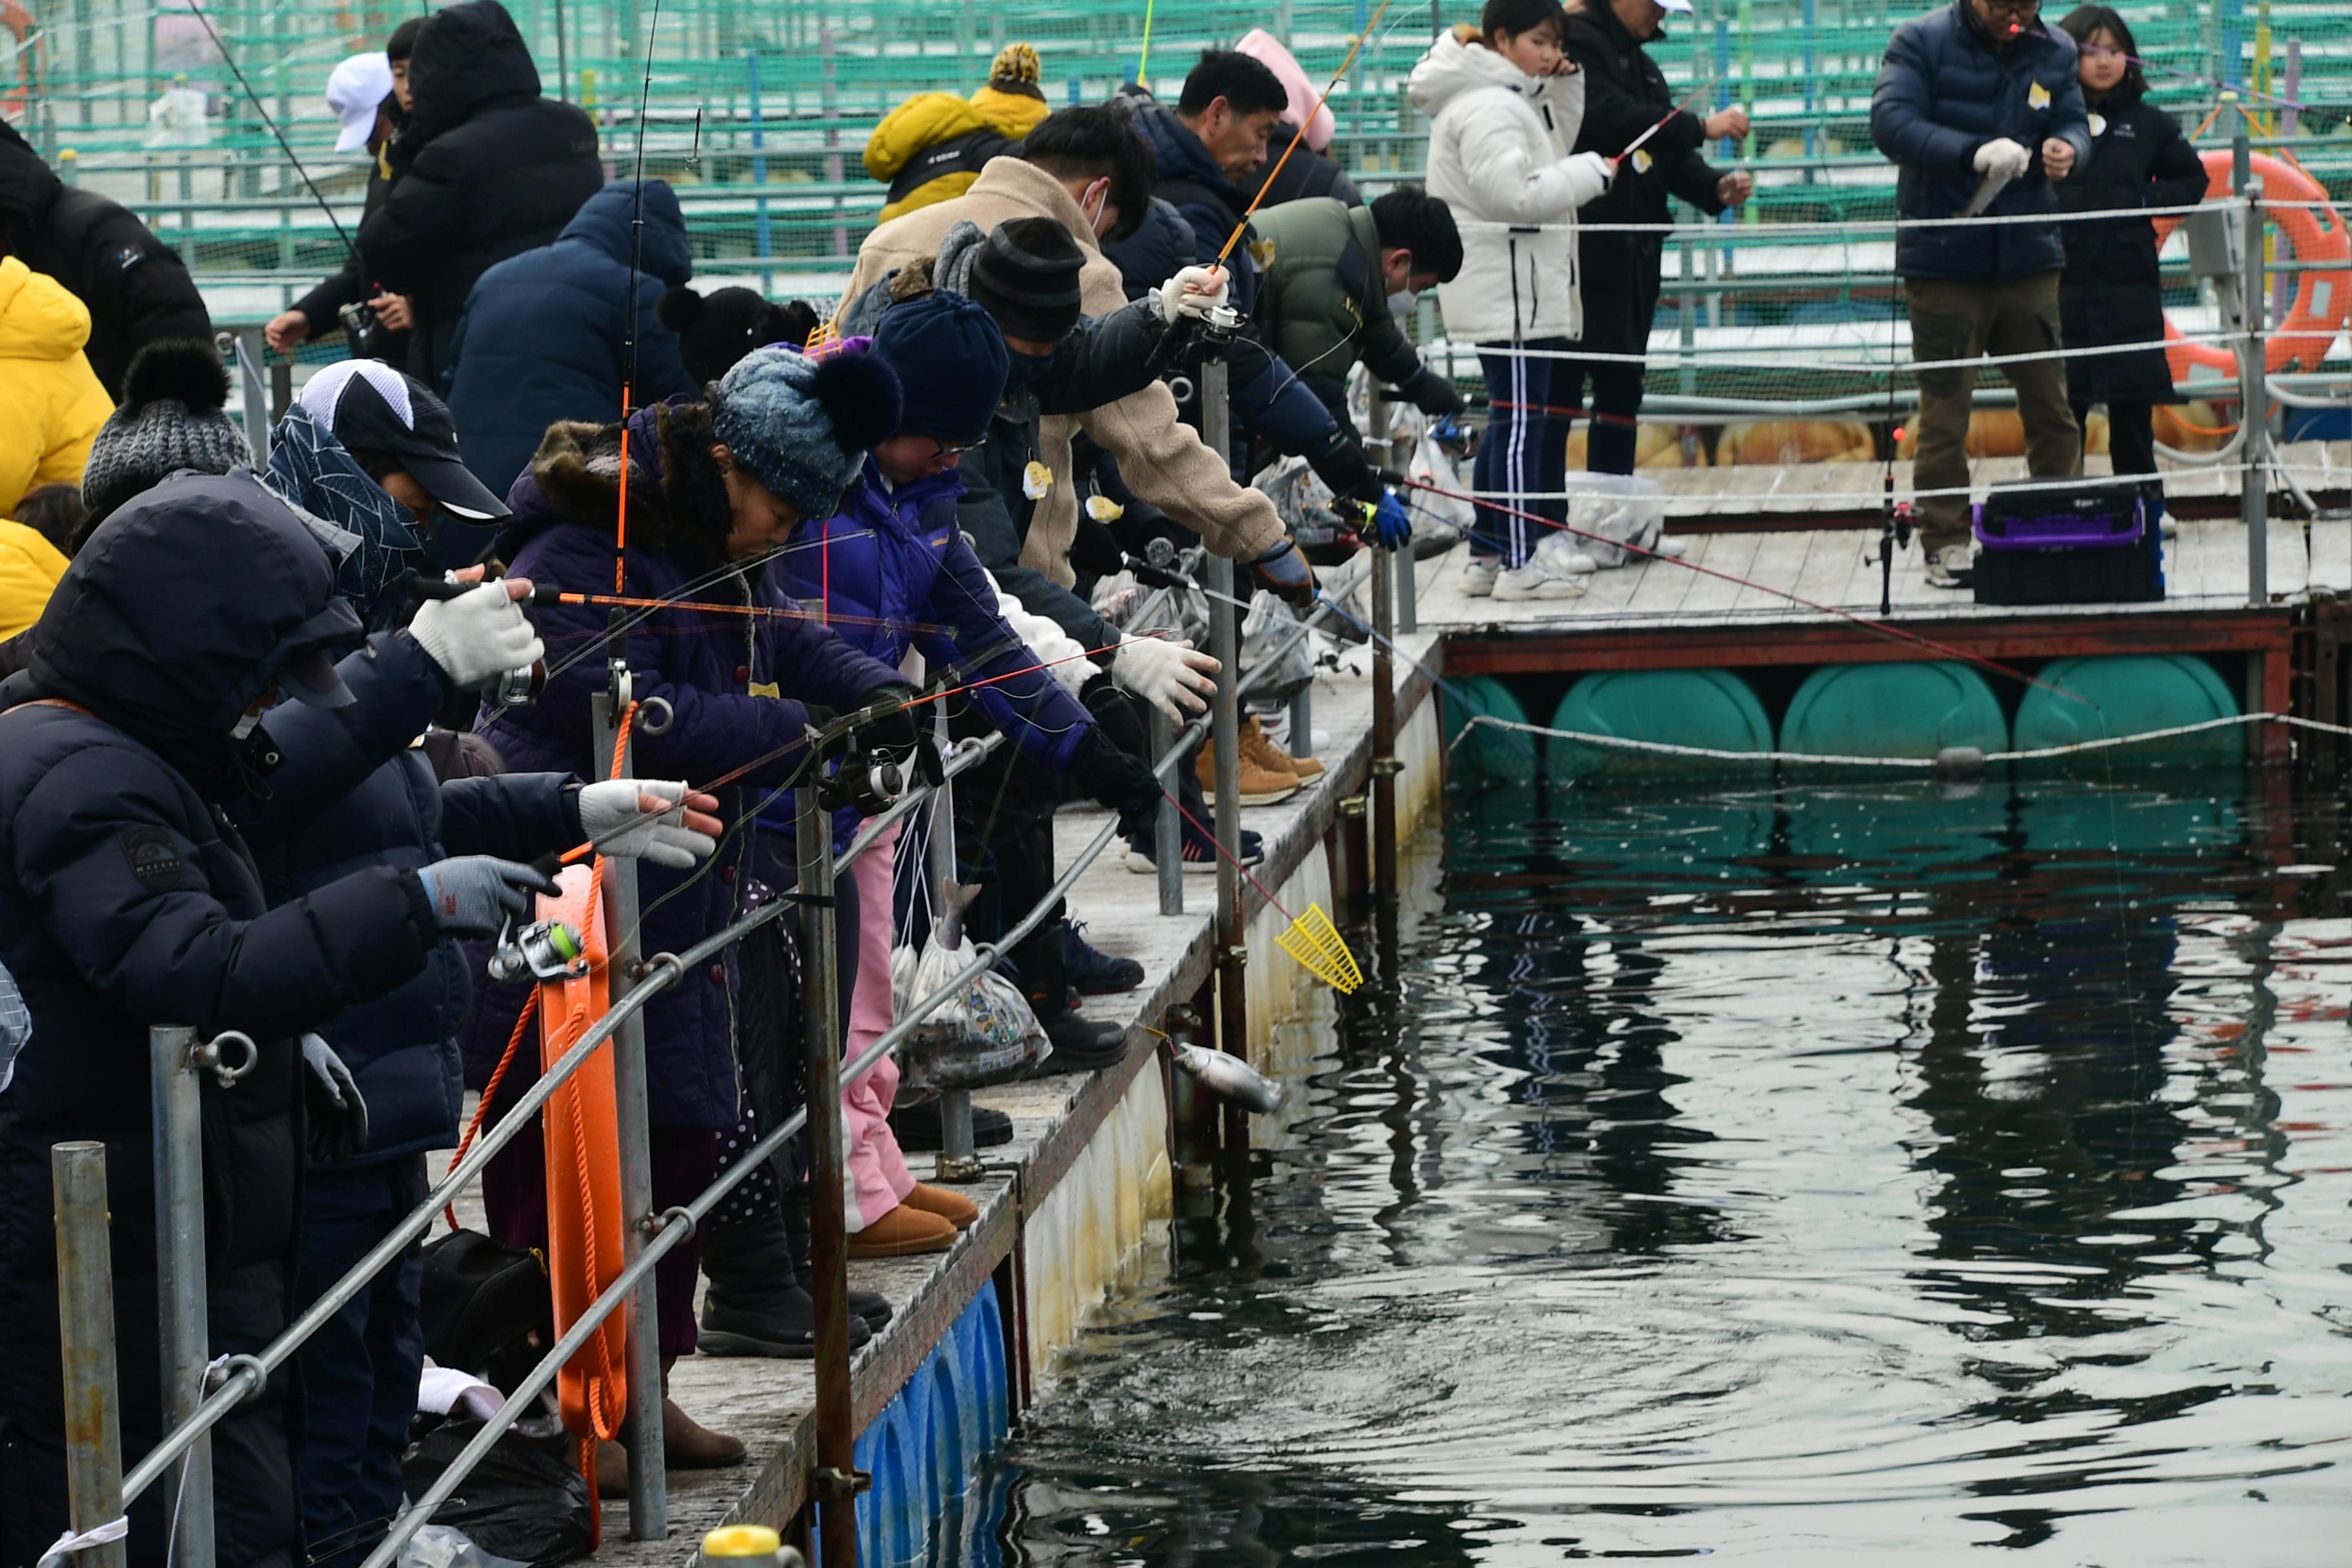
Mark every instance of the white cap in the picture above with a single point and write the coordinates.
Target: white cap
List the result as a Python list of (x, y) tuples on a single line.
[(353, 91), (1683, 6)]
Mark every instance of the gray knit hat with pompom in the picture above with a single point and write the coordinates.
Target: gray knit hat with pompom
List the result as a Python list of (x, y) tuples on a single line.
[(173, 416), (802, 425)]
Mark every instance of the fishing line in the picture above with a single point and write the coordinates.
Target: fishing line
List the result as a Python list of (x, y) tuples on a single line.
[(2336, 115), (1636, 145), (1881, 628), (629, 308), (254, 99)]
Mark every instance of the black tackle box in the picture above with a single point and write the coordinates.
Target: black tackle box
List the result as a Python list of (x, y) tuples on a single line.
[(2097, 541)]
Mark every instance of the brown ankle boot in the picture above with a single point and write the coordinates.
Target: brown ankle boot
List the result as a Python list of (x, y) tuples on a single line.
[(953, 1207), (691, 1446), (903, 1232)]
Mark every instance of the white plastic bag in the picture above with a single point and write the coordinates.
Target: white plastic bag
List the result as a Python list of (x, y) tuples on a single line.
[(983, 1035), (1269, 626), (1622, 509)]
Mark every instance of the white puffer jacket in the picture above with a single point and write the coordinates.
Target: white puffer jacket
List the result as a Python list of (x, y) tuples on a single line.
[(1498, 153)]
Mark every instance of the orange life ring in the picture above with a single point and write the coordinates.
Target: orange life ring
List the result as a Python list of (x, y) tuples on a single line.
[(583, 1170), (19, 21), (2322, 299)]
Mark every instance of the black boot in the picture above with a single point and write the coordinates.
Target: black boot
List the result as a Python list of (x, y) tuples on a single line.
[(869, 1310), (755, 1305), (921, 1128), (1080, 1044)]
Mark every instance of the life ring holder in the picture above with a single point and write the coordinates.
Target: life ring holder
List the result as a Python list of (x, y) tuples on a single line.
[(2322, 298)]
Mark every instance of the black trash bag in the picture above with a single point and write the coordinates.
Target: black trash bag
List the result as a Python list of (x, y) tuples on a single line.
[(526, 1500)]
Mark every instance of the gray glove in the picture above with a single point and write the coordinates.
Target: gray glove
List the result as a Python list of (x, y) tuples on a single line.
[(475, 895), (336, 1116)]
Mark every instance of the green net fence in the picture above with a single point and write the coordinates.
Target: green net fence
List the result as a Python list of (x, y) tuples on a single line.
[(759, 114)]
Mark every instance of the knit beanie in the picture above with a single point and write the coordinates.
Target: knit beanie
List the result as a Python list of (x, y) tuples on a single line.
[(951, 362), (1016, 69), (802, 425), (1027, 277), (172, 417)]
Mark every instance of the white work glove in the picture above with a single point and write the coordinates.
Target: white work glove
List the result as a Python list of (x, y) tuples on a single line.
[(1166, 673), (2003, 157), (631, 811), (1194, 291), (478, 636), (1593, 170)]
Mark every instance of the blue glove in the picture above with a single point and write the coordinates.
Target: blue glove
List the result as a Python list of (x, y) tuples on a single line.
[(1285, 573), (1392, 526), (475, 895)]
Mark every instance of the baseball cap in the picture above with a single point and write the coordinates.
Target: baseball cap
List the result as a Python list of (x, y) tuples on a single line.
[(1683, 6), (355, 88), (370, 406)]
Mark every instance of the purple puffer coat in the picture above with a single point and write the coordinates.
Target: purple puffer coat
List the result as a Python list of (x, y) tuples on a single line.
[(707, 666)]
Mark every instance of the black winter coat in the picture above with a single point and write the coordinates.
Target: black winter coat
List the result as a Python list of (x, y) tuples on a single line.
[(354, 793), (1625, 93), (2111, 292), (135, 284), (1942, 92), (348, 286), (543, 336), (127, 901), (1308, 173), (485, 169)]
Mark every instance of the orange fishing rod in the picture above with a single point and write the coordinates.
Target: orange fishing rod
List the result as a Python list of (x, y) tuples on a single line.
[(1354, 50)]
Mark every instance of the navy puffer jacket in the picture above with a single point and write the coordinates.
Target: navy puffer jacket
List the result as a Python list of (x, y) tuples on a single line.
[(1942, 93), (543, 333), (736, 684), (127, 901)]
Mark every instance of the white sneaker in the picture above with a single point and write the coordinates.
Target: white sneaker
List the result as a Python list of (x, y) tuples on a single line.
[(1577, 563), (1533, 581), (1478, 576), (1953, 566), (1672, 548)]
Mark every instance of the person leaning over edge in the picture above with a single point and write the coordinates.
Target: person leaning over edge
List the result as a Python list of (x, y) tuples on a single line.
[(1980, 95)]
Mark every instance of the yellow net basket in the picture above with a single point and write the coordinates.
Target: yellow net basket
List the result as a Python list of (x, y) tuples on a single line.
[(1313, 940)]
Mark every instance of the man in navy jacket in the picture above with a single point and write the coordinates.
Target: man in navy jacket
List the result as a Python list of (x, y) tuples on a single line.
[(1980, 95)]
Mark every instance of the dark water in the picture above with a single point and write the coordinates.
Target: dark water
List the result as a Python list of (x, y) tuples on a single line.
[(1821, 1176)]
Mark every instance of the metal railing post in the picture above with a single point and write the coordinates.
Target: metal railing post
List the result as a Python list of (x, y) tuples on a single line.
[(649, 1455), (834, 1483), (958, 1161), (184, 1331), (1384, 762), (1225, 738), (86, 1325), (1376, 411), (1167, 826), (2254, 413)]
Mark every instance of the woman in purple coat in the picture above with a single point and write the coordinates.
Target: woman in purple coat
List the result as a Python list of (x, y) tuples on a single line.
[(714, 489)]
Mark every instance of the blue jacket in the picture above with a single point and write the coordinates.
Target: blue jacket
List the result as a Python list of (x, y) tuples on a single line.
[(901, 556), (127, 900), (716, 671), (1942, 93), (542, 339)]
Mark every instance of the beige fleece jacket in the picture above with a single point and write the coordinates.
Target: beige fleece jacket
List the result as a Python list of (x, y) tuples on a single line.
[(1159, 457)]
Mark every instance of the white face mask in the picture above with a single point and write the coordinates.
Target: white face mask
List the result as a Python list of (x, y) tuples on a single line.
[(245, 725), (1402, 302)]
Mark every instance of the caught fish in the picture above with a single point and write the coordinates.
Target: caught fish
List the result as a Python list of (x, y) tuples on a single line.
[(1229, 1077), (955, 898)]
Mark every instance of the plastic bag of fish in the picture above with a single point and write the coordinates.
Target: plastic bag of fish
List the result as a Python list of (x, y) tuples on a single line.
[(985, 1033)]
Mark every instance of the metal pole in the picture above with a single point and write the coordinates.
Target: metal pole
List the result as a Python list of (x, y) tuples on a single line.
[(1167, 827), (648, 1459), (2254, 413), (1376, 411), (958, 1161), (86, 1324), (835, 1484), (1225, 737), (1384, 764), (183, 1329), (252, 348), (763, 236)]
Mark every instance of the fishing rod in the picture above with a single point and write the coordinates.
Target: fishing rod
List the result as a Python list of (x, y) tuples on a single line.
[(1635, 145), (1299, 135), (2280, 98), (629, 308), (545, 594), (1876, 627), (258, 108)]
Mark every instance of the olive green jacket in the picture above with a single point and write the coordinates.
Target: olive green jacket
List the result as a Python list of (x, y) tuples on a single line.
[(1321, 302)]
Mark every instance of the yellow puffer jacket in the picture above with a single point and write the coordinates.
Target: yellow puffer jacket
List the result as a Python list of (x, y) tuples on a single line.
[(928, 119), (29, 569), (50, 404)]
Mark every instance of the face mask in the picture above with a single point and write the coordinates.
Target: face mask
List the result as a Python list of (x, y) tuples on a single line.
[(1402, 302), (1025, 368)]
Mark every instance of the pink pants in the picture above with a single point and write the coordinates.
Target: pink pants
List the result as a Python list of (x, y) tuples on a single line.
[(875, 1179)]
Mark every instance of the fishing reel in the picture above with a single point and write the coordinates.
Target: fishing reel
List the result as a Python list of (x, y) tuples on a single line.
[(871, 780), (1156, 568), (542, 951), (519, 688), (366, 328)]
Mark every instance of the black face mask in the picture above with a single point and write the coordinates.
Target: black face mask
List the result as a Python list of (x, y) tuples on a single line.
[(1024, 369)]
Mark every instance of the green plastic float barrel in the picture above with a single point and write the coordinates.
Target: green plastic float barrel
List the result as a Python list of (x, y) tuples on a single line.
[(1712, 709), (1893, 711), (1501, 756), (2129, 694)]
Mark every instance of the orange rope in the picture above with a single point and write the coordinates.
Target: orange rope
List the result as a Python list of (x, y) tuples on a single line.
[(490, 1093), (1353, 51)]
